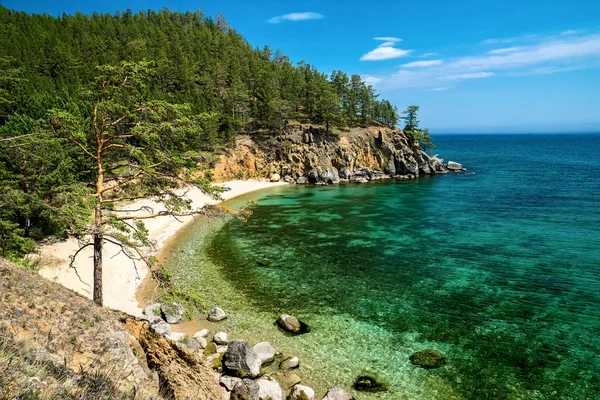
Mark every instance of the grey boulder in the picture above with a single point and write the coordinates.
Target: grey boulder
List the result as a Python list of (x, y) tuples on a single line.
[(265, 352), (157, 325), (241, 360), (454, 166), (173, 312), (216, 314)]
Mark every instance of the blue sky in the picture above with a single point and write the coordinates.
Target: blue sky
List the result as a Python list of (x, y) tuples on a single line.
[(472, 65)]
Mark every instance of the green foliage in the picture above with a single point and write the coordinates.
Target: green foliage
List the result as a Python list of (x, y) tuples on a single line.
[(64, 79), (413, 131)]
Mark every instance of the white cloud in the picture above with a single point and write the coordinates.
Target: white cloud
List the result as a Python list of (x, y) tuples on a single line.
[(558, 53), (386, 50), (427, 55), (371, 80), (384, 53), (571, 32), (469, 75), (422, 64), (441, 89), (505, 50), (295, 17)]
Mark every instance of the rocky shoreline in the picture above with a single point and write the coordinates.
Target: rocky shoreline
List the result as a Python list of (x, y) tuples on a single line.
[(305, 154), (259, 372)]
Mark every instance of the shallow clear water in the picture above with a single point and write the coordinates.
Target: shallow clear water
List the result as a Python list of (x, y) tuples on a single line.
[(499, 270)]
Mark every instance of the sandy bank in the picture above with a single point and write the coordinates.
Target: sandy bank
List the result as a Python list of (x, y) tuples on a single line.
[(122, 276)]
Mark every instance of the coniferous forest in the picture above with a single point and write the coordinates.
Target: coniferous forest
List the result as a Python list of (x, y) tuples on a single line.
[(163, 71)]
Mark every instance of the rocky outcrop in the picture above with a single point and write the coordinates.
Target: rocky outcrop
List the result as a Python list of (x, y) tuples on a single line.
[(302, 153)]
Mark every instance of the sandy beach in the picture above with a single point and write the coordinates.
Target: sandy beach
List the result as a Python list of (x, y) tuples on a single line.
[(122, 276)]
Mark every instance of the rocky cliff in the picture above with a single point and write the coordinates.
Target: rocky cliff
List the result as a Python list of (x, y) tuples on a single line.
[(307, 154)]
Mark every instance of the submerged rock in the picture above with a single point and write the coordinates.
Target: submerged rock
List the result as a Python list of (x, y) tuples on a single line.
[(173, 312), (265, 352), (337, 393), (241, 360), (301, 392), (289, 363), (428, 359), (369, 384), (291, 324), (216, 314)]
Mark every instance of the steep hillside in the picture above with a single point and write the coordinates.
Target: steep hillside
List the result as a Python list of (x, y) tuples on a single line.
[(55, 344)]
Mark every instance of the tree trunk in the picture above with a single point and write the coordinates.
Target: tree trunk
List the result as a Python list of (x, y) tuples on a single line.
[(98, 268)]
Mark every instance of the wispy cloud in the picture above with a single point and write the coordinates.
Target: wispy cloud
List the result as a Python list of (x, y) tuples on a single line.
[(505, 50), (441, 89), (469, 75), (386, 50), (295, 17), (557, 53), (371, 80), (427, 55), (571, 32), (422, 64)]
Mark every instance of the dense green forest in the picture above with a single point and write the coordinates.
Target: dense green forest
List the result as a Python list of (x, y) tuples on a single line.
[(192, 73)]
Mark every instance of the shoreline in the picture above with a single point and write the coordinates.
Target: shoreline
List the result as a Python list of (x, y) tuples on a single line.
[(122, 277)]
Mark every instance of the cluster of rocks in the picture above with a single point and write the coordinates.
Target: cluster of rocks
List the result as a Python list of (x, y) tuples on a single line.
[(260, 372)]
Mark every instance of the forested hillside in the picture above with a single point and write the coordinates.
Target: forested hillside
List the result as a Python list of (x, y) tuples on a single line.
[(185, 77)]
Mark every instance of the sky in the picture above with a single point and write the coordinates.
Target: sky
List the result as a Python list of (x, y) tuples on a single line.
[(471, 65)]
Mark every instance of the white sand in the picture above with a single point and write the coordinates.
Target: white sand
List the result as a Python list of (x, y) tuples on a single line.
[(120, 279)]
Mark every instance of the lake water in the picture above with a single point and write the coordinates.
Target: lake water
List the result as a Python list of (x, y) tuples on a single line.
[(498, 268)]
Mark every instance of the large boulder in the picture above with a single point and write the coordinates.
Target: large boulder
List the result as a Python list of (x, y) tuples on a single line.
[(428, 359), (173, 312), (454, 166), (337, 393), (216, 314), (289, 323), (301, 180), (313, 175), (301, 392), (241, 360), (158, 325), (265, 352)]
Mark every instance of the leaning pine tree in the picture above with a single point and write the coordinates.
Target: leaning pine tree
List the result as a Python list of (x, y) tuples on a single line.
[(138, 149)]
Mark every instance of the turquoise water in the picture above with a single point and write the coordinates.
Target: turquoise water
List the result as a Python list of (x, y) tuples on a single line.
[(499, 270)]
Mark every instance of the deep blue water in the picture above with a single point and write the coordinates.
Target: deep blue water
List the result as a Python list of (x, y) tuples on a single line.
[(499, 268)]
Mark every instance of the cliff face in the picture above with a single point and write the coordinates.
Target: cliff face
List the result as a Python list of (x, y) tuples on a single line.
[(310, 154)]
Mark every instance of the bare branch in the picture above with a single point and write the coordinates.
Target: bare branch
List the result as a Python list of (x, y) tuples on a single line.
[(72, 263), (163, 214)]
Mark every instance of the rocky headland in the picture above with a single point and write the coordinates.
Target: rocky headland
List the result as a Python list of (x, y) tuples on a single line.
[(306, 154)]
